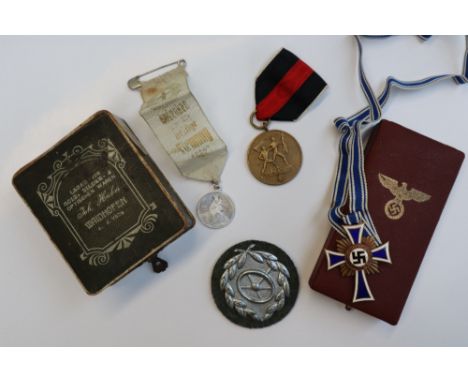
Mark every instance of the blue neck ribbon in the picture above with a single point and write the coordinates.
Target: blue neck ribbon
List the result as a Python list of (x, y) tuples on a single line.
[(350, 181)]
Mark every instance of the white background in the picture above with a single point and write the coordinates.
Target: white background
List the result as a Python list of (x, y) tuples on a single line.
[(51, 84)]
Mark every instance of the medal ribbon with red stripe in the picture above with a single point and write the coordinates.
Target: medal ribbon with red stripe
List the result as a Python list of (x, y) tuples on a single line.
[(285, 88)]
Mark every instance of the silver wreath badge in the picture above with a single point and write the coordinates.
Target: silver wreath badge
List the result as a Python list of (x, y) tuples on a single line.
[(255, 283)]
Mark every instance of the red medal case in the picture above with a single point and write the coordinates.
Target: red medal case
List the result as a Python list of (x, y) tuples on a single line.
[(409, 178)]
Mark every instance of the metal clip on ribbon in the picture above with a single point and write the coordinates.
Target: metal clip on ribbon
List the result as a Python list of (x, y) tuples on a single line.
[(134, 83), (177, 120)]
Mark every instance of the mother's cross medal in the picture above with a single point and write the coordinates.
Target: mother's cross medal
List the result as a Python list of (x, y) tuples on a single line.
[(177, 120), (285, 88), (404, 184)]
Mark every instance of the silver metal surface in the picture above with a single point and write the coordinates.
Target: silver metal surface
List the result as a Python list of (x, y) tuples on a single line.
[(215, 210), (178, 121), (255, 283), (256, 286), (134, 82)]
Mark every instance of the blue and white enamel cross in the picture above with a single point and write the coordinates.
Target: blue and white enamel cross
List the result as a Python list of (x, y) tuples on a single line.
[(361, 250), (359, 256)]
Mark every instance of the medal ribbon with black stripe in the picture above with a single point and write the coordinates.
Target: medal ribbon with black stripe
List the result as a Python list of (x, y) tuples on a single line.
[(283, 90)]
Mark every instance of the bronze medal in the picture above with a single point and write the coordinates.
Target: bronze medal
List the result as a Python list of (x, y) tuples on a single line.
[(283, 90), (274, 157)]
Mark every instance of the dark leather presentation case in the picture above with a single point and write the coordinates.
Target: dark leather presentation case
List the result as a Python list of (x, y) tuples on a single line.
[(103, 201)]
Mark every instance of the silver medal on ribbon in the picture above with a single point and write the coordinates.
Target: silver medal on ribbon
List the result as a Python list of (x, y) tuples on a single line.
[(179, 123)]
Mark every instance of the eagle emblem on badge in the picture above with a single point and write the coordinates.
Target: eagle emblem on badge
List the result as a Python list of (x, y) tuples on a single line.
[(394, 209)]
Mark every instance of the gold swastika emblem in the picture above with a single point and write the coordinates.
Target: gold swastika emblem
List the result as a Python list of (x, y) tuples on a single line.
[(394, 209)]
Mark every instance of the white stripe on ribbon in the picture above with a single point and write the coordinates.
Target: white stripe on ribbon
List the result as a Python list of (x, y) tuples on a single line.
[(350, 179)]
